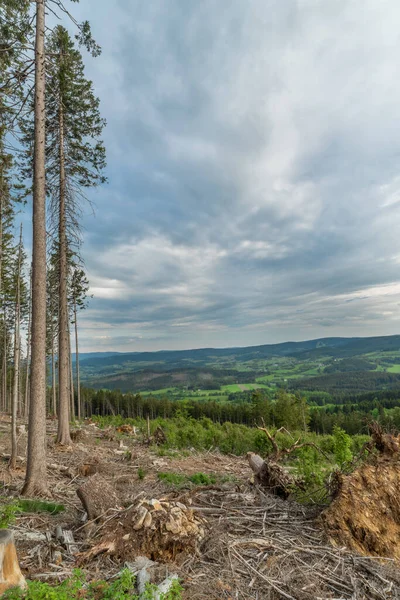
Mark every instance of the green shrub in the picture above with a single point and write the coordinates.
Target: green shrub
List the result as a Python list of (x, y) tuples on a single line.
[(141, 473), (202, 479), (342, 446), (8, 512), (38, 506), (172, 478), (179, 479), (9, 509)]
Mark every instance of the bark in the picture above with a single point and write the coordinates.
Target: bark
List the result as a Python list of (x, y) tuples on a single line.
[(4, 382), (36, 476), (3, 400), (53, 378), (17, 352), (97, 497), (28, 350), (78, 379), (63, 433), (71, 374), (10, 573)]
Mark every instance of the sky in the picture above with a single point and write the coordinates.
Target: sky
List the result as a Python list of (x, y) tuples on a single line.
[(254, 172)]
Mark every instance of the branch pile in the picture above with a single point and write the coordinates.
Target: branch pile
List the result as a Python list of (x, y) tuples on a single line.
[(271, 549)]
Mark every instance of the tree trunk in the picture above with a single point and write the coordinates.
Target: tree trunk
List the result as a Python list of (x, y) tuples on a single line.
[(28, 350), (53, 377), (71, 374), (78, 380), (63, 434), (3, 400), (17, 343), (4, 382), (36, 476)]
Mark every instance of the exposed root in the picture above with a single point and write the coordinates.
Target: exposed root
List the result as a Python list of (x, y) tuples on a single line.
[(365, 514)]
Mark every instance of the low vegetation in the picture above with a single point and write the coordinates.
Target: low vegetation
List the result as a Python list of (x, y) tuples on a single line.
[(9, 509), (122, 588)]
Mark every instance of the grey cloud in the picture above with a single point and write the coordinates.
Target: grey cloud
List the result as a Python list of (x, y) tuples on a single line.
[(253, 165)]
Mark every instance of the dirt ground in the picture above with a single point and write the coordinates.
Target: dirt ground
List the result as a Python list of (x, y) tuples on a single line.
[(252, 546)]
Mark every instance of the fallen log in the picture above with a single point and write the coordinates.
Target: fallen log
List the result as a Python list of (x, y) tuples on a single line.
[(10, 573)]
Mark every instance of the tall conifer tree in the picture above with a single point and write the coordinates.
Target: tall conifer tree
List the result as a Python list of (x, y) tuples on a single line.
[(75, 158)]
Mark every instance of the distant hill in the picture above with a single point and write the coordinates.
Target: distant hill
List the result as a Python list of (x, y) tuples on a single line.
[(337, 347), (151, 370)]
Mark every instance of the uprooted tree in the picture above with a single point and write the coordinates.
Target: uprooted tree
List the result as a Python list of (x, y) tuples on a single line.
[(269, 473)]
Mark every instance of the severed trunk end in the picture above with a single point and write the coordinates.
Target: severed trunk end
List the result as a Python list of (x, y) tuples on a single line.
[(10, 573)]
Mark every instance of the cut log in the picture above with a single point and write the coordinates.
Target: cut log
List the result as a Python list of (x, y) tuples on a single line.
[(66, 538), (69, 542), (255, 462), (10, 573), (30, 536), (271, 476), (97, 497)]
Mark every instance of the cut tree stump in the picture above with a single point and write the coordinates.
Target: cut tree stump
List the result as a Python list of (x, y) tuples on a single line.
[(97, 497), (10, 573)]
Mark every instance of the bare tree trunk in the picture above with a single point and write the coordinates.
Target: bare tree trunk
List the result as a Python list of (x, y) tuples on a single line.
[(78, 380), (63, 434), (28, 350), (4, 382), (3, 399), (53, 377), (17, 343), (36, 475), (71, 372)]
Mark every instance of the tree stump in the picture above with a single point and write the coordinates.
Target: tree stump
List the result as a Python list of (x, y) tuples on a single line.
[(10, 573), (97, 497)]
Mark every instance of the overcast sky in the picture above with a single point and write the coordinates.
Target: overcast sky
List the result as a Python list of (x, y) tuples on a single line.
[(254, 172)]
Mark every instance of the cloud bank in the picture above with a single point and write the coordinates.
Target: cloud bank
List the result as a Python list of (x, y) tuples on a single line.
[(254, 171)]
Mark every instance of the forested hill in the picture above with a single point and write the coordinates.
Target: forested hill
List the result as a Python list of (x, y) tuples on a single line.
[(364, 359), (336, 347)]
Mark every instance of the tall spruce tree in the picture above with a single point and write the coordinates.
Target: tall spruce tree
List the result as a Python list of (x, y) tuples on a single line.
[(22, 54), (75, 159), (36, 472)]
